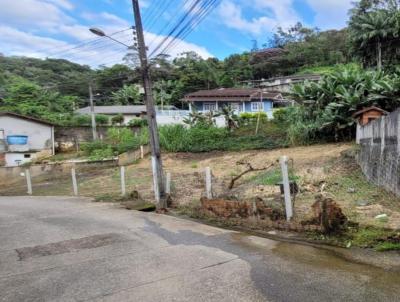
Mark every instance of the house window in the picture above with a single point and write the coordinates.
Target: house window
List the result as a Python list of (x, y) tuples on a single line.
[(209, 107), (257, 106), (27, 156)]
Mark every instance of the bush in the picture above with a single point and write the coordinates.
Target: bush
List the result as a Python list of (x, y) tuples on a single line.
[(118, 140), (81, 120), (280, 115), (138, 122), (86, 120), (101, 119), (249, 116), (118, 119), (176, 138)]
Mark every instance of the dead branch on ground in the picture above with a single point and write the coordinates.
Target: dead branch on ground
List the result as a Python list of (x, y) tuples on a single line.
[(249, 169)]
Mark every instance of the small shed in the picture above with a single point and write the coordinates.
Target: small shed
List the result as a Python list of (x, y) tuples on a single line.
[(368, 114)]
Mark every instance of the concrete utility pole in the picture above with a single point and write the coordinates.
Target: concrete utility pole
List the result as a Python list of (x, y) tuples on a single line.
[(92, 113), (158, 174)]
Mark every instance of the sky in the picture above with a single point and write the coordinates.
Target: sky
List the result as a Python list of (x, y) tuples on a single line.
[(59, 28)]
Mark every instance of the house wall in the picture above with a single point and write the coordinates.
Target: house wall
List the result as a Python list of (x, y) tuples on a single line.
[(39, 135), (379, 155), (268, 106)]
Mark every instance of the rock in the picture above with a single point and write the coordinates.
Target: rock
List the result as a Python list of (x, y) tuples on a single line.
[(382, 217), (351, 190), (362, 203)]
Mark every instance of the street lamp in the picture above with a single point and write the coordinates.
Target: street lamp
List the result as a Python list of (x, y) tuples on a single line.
[(101, 33)]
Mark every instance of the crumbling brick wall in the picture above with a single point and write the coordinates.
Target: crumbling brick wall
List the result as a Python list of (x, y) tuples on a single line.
[(379, 155)]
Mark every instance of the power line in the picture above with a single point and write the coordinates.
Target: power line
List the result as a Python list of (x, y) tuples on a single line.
[(194, 22), (177, 25)]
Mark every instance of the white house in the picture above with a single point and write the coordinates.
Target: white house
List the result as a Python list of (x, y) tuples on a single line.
[(24, 138)]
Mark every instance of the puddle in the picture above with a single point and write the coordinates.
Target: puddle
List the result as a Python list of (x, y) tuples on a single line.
[(315, 259)]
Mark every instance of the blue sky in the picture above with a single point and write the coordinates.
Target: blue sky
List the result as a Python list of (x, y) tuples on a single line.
[(53, 28)]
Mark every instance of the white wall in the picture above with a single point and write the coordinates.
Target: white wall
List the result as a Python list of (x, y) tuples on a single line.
[(16, 159), (39, 135)]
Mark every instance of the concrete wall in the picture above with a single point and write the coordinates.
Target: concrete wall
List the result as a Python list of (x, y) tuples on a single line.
[(379, 156), (39, 135)]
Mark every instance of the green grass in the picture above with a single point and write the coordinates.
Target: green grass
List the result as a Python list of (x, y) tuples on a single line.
[(387, 246), (368, 237), (272, 177)]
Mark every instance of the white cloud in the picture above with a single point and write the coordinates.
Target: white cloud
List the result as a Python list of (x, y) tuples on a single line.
[(181, 47), (32, 14), (330, 13), (276, 13)]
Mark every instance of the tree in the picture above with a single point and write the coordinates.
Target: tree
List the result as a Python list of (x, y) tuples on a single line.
[(374, 31), (127, 95)]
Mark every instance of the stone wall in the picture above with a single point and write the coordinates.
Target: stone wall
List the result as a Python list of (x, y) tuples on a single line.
[(69, 138), (379, 155)]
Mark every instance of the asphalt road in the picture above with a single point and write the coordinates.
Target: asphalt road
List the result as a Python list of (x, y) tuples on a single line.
[(68, 249)]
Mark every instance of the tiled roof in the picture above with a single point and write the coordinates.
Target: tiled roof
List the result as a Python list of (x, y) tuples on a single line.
[(132, 109), (369, 109)]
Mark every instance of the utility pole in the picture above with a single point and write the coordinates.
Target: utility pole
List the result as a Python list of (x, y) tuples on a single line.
[(92, 113), (158, 174)]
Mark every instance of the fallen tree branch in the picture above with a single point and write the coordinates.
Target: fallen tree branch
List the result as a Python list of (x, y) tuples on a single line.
[(249, 169)]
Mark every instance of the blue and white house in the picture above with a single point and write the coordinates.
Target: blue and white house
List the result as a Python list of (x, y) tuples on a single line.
[(251, 100)]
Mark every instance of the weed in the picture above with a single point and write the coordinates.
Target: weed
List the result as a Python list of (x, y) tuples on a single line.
[(387, 246), (272, 177)]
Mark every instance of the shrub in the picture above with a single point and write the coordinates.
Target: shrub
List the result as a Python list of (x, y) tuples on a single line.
[(118, 119), (176, 138), (86, 120), (81, 120), (280, 115), (253, 115), (101, 119), (138, 122)]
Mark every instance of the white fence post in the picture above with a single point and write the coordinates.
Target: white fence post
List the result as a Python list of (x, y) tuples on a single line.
[(123, 187), (208, 183), (141, 152), (168, 184), (28, 181), (74, 182), (286, 187)]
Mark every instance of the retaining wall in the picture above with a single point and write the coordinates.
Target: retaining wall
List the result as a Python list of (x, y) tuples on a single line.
[(379, 156)]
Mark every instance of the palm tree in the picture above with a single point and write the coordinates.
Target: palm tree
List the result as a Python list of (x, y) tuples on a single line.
[(373, 27)]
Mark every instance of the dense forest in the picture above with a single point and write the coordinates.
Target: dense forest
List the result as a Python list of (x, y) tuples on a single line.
[(53, 88)]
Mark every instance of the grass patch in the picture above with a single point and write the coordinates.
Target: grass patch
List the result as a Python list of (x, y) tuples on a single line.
[(387, 246), (368, 237), (272, 177)]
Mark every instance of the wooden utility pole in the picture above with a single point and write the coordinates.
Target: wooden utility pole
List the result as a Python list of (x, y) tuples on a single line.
[(158, 174), (92, 113)]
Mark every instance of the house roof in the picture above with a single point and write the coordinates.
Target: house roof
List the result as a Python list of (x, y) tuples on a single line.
[(29, 118), (131, 109), (232, 94), (367, 109)]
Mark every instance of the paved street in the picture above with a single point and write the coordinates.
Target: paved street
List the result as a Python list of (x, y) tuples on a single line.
[(69, 249)]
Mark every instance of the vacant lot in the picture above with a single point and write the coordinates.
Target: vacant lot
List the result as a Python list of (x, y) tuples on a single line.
[(315, 168)]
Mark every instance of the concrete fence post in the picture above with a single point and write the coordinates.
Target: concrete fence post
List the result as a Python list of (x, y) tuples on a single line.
[(168, 184), (28, 181), (286, 187), (123, 187), (208, 183), (141, 152), (74, 182)]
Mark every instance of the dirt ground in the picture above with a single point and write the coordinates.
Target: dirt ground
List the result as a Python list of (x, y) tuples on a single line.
[(315, 168)]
